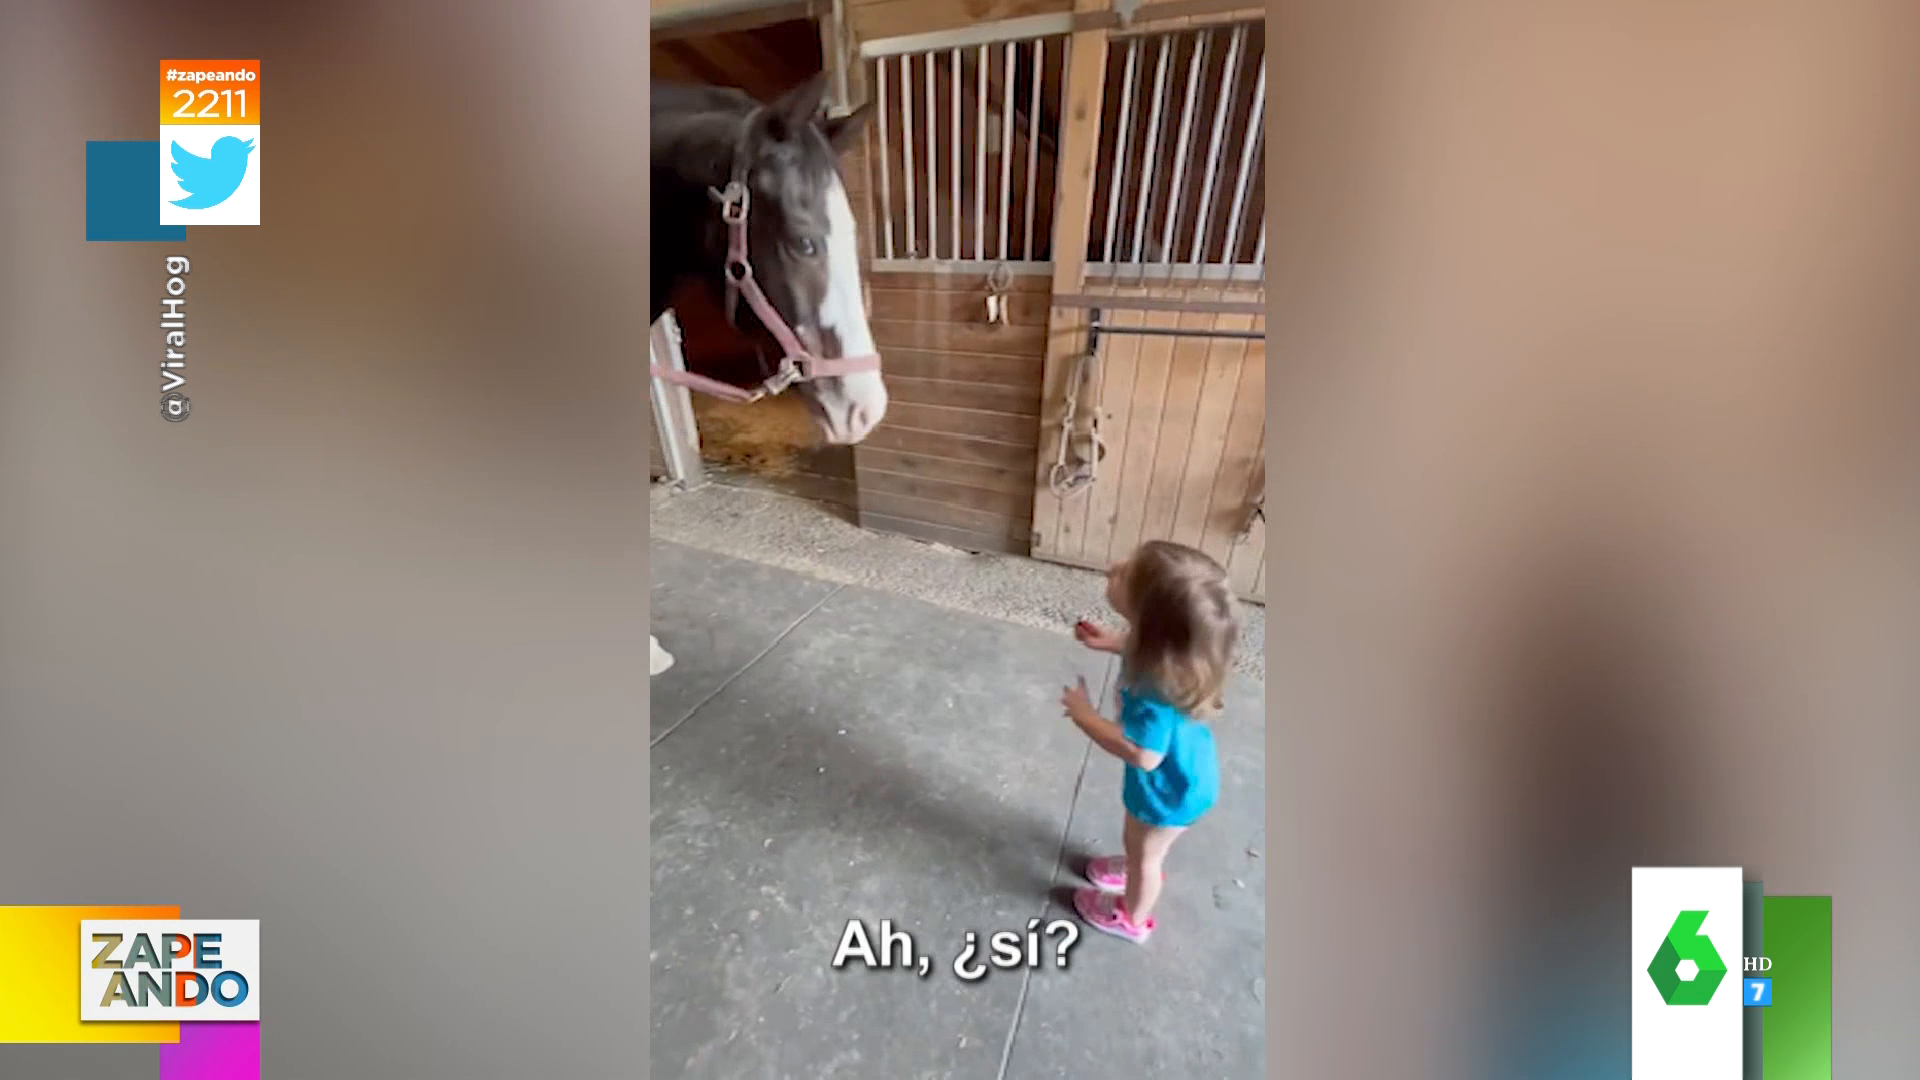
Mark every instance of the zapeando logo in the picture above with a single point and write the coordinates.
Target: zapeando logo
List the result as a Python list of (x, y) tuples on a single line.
[(1685, 944)]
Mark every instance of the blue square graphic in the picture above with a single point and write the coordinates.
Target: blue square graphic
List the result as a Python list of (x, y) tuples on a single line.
[(1756, 992), (123, 193)]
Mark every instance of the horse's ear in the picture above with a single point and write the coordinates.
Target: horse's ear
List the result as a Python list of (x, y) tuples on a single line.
[(791, 112), (842, 130)]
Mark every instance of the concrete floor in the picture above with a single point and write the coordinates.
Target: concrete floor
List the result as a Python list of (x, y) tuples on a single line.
[(825, 752), (799, 535)]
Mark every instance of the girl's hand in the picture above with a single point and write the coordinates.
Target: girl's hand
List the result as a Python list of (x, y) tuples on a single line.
[(1076, 700), (1095, 636)]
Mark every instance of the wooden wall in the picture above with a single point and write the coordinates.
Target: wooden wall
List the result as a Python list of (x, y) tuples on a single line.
[(962, 455), (1184, 422), (953, 461), (872, 20)]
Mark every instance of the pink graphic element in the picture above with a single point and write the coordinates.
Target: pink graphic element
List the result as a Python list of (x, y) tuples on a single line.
[(228, 1050)]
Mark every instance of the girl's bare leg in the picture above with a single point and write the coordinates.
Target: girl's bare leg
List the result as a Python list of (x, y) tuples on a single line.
[(1147, 847)]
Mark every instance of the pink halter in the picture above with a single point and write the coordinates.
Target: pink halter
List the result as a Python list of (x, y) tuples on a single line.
[(797, 364)]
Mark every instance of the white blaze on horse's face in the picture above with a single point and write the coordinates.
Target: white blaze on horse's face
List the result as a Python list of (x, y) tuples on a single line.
[(850, 404)]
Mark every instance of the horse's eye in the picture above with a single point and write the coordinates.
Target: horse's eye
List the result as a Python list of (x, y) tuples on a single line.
[(806, 247)]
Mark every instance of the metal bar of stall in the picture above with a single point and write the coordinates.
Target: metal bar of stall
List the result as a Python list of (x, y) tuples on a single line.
[(1175, 191), (968, 267), (1115, 168), (1097, 327), (1256, 130), (1153, 143), (906, 143), (886, 163), (1228, 76), (953, 151), (1111, 302), (1006, 148), (933, 166), (980, 159), (1033, 144), (1260, 249)]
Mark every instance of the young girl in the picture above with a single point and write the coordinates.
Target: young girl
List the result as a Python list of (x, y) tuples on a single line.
[(1173, 663)]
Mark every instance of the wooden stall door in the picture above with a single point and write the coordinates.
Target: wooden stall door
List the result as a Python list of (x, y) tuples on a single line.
[(1184, 423)]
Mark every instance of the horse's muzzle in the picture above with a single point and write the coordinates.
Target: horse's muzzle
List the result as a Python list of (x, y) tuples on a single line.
[(848, 407)]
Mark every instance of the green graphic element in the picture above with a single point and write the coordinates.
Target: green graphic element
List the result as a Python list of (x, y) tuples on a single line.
[(1686, 942), (1799, 1027)]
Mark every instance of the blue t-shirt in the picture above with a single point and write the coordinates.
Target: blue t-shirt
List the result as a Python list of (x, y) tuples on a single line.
[(1187, 781)]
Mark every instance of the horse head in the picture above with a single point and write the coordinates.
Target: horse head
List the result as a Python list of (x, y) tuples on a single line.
[(781, 225)]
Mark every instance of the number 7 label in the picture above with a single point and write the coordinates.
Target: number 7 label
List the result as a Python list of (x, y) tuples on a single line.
[(1758, 992)]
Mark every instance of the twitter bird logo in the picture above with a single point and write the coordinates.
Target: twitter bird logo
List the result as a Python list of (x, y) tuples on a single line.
[(212, 180)]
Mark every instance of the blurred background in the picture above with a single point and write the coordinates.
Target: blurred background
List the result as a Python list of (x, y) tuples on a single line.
[(356, 649), (1593, 477), (1597, 448)]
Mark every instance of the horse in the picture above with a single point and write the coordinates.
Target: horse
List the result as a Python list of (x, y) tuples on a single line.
[(749, 203)]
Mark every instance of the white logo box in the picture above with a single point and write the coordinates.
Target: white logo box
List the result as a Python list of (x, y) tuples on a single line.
[(154, 990)]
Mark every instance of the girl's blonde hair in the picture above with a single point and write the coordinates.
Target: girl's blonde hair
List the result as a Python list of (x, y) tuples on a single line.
[(1184, 625)]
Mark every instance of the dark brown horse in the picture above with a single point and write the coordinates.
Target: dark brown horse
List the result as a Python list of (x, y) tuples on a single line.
[(749, 207)]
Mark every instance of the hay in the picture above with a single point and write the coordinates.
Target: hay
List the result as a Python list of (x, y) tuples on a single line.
[(771, 437)]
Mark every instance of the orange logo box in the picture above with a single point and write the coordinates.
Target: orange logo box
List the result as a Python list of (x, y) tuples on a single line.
[(225, 92)]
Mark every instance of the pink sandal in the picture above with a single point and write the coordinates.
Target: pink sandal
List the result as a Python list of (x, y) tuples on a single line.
[(1109, 872), (1103, 912)]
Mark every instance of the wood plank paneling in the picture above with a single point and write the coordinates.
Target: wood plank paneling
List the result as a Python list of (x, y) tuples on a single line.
[(983, 397), (1004, 505), (1028, 341), (1184, 427), (1136, 445), (876, 19), (1186, 369), (934, 512), (1205, 449), (1066, 335), (947, 445), (1100, 504), (1013, 372), (1241, 453), (997, 427), (953, 460), (955, 305), (1015, 481), (907, 280)]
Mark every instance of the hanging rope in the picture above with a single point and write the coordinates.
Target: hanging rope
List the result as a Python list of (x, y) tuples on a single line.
[(1074, 470)]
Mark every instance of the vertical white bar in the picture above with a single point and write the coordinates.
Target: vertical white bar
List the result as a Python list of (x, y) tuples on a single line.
[(980, 160), (1033, 144), (953, 150), (1229, 73), (1195, 61), (1147, 164), (906, 142), (1687, 1041), (1256, 132), (933, 166), (1116, 171), (1006, 148), (953, 64), (886, 161), (1260, 249)]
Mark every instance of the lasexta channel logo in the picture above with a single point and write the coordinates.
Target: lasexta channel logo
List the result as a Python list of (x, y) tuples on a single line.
[(1687, 969)]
